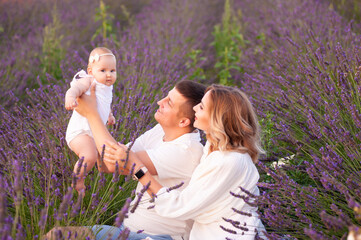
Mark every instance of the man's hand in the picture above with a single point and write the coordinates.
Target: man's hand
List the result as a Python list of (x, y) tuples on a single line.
[(87, 105)]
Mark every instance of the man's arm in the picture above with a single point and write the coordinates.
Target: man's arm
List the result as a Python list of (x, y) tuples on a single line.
[(115, 151), (87, 107), (148, 163)]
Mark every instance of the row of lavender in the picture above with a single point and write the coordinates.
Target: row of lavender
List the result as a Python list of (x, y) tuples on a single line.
[(23, 38), (36, 164), (301, 65)]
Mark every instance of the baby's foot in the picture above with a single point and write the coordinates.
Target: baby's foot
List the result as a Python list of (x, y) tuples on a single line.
[(79, 186), (81, 193)]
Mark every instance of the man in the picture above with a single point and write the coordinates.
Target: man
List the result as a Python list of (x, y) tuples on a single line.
[(170, 151)]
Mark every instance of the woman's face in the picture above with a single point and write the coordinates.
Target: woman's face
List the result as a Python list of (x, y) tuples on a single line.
[(203, 113)]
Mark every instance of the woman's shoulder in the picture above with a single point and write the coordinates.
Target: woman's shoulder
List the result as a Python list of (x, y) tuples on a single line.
[(229, 155), (230, 158)]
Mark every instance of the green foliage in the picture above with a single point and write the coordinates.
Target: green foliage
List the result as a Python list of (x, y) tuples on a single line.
[(228, 41), (350, 9), (100, 205), (53, 51), (192, 64), (262, 38), (39, 125), (47, 164), (277, 152), (105, 28), (127, 16), (315, 98), (107, 196), (268, 133)]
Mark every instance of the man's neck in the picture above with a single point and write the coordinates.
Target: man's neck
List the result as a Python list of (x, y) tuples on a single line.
[(172, 133)]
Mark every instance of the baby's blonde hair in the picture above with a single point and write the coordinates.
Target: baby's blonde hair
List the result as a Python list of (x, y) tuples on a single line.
[(98, 50), (233, 122)]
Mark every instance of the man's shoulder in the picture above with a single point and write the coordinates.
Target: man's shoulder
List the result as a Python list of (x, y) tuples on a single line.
[(156, 128), (189, 139), (188, 147), (151, 138), (154, 134)]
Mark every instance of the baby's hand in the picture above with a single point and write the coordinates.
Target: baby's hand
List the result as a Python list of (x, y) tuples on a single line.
[(111, 119), (70, 104)]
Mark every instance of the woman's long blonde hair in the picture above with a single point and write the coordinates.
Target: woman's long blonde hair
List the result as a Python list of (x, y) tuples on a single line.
[(233, 122)]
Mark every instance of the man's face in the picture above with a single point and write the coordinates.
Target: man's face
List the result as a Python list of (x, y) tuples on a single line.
[(168, 113)]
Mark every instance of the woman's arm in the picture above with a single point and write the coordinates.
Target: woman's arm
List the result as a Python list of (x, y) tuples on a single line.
[(208, 192)]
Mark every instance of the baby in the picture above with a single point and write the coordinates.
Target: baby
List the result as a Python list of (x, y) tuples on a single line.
[(101, 71)]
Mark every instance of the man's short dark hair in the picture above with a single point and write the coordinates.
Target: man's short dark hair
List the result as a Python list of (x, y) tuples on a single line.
[(194, 93)]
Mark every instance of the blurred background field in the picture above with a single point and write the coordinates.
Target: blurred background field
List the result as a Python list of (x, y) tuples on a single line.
[(299, 61)]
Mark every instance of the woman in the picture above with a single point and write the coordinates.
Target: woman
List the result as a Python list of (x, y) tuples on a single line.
[(216, 197)]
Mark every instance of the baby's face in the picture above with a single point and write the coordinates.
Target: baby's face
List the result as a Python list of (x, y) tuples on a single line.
[(104, 70)]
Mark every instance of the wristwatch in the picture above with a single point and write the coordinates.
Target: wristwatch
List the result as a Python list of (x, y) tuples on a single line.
[(140, 173)]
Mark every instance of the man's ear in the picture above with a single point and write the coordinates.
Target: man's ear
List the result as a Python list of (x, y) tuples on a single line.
[(184, 122)]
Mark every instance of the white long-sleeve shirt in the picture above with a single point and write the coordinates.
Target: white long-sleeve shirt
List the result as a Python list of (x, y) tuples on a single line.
[(207, 199)]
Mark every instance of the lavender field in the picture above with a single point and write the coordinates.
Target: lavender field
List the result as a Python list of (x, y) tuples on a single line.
[(299, 61)]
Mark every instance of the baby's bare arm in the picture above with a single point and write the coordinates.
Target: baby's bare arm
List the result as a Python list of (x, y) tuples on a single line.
[(77, 89)]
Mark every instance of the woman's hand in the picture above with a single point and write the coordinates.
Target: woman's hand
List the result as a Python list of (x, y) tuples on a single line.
[(87, 105)]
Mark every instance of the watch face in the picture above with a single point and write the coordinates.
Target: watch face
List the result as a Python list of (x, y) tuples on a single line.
[(139, 174)]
